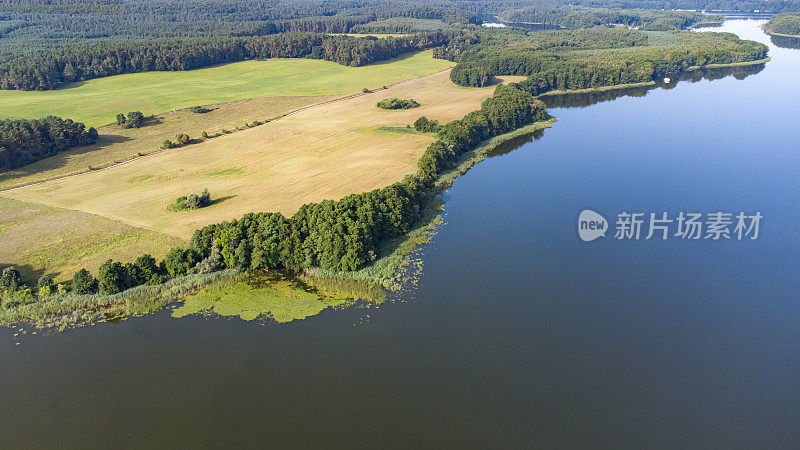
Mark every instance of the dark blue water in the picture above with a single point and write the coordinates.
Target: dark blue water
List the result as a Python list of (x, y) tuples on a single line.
[(520, 334)]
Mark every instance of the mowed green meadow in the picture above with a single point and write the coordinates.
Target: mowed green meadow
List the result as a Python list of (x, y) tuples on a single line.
[(96, 102)]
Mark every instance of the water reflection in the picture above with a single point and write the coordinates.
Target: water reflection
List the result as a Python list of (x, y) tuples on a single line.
[(515, 143), (588, 98), (785, 41)]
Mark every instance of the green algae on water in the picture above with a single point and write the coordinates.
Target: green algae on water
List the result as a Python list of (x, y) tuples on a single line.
[(277, 297)]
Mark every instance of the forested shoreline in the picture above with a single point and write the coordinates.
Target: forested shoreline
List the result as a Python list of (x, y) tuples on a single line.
[(787, 24), (562, 64)]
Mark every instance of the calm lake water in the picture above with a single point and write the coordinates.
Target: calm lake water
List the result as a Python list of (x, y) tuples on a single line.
[(519, 334)]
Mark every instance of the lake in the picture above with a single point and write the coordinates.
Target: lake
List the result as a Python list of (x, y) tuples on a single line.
[(518, 333)]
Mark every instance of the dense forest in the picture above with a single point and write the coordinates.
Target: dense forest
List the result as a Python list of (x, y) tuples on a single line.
[(48, 69), (559, 60), (402, 25), (26, 141), (786, 23), (46, 43)]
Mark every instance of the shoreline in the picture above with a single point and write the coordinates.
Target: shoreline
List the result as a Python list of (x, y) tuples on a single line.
[(653, 83), (386, 274), (389, 273), (770, 33), (598, 89), (391, 270), (736, 64)]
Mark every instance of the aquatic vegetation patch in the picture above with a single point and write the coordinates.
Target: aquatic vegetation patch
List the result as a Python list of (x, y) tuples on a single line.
[(279, 298)]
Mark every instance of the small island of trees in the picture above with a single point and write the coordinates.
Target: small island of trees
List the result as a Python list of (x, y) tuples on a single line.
[(191, 202), (397, 103)]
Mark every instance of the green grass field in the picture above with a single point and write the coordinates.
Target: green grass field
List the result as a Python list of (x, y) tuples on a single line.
[(96, 102)]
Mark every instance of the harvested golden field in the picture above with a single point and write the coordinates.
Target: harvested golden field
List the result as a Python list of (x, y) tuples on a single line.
[(327, 151), (121, 144), (40, 239)]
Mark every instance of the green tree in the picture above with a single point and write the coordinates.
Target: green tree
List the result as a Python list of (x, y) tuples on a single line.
[(11, 279), (120, 119), (45, 286), (135, 119), (179, 261), (146, 270), (84, 283), (112, 277)]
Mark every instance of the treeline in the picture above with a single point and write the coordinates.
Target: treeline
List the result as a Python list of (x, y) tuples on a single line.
[(26, 141), (569, 70), (786, 23), (46, 70), (482, 54)]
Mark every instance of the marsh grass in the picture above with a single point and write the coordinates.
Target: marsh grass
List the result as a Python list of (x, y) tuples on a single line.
[(271, 296), (65, 310)]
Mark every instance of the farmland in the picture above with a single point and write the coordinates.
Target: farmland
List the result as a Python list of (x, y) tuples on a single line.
[(96, 102), (40, 239), (120, 144), (85, 226), (327, 151)]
